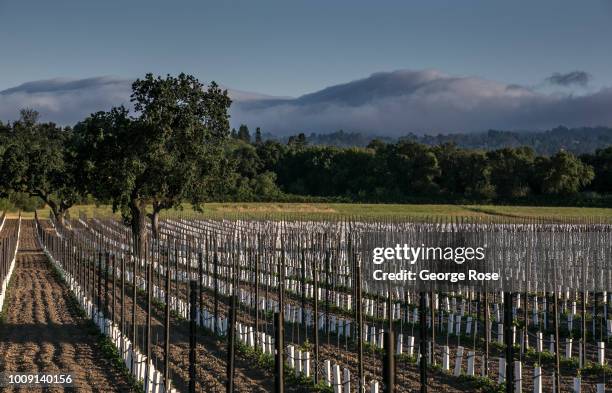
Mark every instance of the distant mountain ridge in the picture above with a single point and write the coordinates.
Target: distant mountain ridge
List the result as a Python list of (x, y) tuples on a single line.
[(576, 140), (391, 103)]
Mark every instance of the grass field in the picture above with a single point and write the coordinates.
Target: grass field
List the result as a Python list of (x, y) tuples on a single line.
[(366, 211)]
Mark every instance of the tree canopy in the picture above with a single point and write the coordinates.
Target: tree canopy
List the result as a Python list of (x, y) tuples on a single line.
[(37, 159), (167, 152)]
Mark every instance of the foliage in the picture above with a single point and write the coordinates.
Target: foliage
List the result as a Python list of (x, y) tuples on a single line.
[(592, 368), (562, 174), (406, 171), (37, 160), (544, 357), (601, 162), (170, 151), (484, 384)]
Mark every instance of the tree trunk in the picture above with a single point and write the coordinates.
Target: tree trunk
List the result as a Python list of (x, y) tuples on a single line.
[(58, 213), (60, 217), (139, 227), (155, 224)]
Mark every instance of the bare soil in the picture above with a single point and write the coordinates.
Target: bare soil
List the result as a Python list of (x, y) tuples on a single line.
[(43, 331)]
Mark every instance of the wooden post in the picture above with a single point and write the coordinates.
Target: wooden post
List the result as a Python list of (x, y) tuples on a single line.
[(122, 301), (508, 341), (216, 289), (192, 337), (149, 273), (279, 332), (113, 264), (231, 341), (200, 287), (279, 383), (526, 318), (432, 315), (303, 289), (167, 326), (315, 313), (359, 307), (327, 285), (556, 328), (106, 265), (134, 301), (99, 305), (257, 345), (584, 326), (487, 330), (389, 363), (177, 292), (423, 341)]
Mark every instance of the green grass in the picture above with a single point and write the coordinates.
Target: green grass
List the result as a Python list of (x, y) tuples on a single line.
[(545, 211), (330, 211)]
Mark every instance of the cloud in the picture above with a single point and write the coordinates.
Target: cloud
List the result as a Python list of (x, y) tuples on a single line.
[(396, 103), (65, 101), (579, 78), (386, 103)]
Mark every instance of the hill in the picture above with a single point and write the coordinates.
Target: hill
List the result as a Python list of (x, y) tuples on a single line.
[(576, 140)]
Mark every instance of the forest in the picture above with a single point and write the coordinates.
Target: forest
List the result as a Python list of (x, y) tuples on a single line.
[(408, 171)]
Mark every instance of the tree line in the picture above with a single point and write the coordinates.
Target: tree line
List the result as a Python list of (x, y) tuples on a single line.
[(408, 171), (583, 140)]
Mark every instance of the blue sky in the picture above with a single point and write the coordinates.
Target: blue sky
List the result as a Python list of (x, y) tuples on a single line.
[(378, 67), (295, 47)]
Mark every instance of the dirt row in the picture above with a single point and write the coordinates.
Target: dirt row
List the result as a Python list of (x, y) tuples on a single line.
[(211, 353), (43, 331)]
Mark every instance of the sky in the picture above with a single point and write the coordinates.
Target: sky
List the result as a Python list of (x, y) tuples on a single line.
[(291, 48)]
